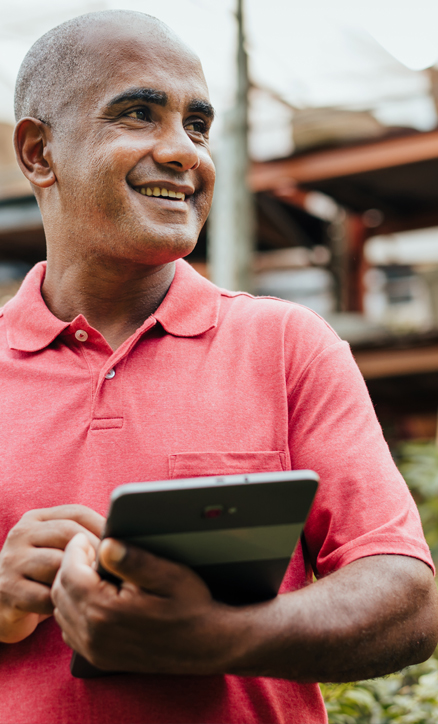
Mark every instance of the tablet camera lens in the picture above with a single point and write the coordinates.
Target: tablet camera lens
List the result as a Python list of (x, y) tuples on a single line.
[(213, 511)]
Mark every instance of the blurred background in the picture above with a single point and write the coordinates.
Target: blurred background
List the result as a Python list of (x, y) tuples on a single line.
[(326, 146)]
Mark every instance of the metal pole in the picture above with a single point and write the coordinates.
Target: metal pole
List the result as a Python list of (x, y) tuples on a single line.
[(230, 234)]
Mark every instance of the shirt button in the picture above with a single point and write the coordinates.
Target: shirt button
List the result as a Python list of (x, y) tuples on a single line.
[(81, 335), (109, 375)]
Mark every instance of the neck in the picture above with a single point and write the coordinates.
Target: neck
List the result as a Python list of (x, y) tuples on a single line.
[(115, 298)]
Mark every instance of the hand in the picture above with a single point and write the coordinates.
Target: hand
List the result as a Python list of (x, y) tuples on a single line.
[(29, 561), (375, 615), (162, 619)]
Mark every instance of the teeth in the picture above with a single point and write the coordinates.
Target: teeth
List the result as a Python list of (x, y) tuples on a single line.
[(156, 191)]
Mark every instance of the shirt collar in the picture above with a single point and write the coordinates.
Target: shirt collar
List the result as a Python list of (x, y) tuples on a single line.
[(190, 307), (30, 325)]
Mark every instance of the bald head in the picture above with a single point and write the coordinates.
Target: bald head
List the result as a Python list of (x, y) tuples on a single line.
[(62, 63)]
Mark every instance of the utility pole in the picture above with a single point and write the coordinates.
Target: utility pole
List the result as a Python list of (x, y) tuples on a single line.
[(230, 232)]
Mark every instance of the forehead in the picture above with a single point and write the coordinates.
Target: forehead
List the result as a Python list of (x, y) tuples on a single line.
[(125, 58)]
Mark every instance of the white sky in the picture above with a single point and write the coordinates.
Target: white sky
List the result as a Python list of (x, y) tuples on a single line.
[(318, 53)]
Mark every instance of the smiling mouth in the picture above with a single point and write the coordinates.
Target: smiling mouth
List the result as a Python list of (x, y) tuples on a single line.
[(160, 192)]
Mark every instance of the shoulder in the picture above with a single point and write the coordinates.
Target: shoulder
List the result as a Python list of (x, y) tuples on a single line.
[(276, 319)]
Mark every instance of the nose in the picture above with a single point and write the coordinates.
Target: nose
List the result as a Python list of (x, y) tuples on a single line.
[(174, 148)]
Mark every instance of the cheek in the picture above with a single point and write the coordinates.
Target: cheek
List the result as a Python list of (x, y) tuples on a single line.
[(208, 175), (208, 171)]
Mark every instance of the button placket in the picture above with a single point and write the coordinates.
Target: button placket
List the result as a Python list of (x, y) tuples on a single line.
[(107, 410), (108, 401)]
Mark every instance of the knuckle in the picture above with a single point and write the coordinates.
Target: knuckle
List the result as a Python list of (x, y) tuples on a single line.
[(108, 618), (8, 561), (64, 578), (15, 533), (69, 527), (98, 619), (46, 604), (54, 592), (33, 516), (6, 596), (175, 574)]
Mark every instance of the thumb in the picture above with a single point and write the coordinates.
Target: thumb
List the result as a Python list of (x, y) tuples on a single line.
[(145, 570), (79, 551), (76, 565)]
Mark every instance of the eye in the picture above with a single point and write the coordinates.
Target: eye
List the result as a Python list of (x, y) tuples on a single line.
[(196, 126), (139, 114)]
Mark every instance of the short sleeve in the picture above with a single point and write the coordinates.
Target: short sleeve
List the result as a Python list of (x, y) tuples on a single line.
[(363, 506)]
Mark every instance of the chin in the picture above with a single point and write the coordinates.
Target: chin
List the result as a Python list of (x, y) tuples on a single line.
[(161, 253), (173, 246)]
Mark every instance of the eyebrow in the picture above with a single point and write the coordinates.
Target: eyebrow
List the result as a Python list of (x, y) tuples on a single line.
[(159, 98), (149, 95), (198, 105)]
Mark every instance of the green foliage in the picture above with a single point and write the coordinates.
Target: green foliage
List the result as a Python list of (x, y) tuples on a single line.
[(418, 463), (410, 696)]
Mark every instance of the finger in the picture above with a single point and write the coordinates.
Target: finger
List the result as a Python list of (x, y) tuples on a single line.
[(143, 569), (88, 518), (76, 574), (67, 629), (44, 617), (79, 553), (57, 533), (42, 565), (75, 581), (33, 597)]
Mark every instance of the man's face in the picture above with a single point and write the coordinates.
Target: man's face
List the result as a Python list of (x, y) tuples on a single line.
[(134, 171)]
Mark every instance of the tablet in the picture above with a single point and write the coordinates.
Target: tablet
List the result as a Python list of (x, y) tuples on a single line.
[(238, 532)]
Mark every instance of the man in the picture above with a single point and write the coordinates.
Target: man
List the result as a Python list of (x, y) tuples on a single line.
[(120, 364)]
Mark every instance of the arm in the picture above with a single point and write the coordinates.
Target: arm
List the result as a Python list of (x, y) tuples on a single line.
[(372, 617), (29, 560)]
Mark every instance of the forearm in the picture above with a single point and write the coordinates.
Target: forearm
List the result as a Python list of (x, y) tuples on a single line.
[(372, 617)]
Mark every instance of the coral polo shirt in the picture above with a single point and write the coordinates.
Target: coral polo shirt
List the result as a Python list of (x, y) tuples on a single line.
[(213, 383)]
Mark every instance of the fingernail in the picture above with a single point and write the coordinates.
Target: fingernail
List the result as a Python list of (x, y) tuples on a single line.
[(117, 551)]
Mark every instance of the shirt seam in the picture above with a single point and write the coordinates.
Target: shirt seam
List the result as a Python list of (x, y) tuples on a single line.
[(232, 295), (315, 359), (351, 547)]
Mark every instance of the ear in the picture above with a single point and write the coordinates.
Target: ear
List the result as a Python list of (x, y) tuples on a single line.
[(32, 142)]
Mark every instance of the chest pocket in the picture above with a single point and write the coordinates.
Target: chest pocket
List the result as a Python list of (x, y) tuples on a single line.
[(193, 464)]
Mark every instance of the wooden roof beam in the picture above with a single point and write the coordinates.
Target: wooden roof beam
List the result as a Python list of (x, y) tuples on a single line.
[(334, 163), (395, 362)]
